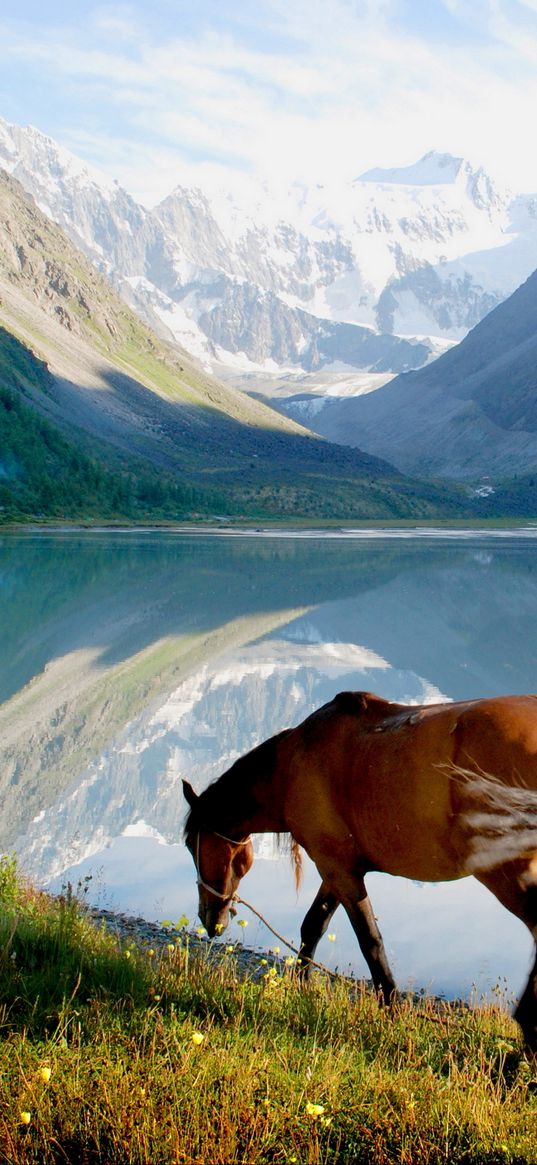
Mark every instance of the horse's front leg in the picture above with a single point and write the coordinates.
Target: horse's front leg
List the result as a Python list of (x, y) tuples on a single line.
[(365, 927), (314, 925)]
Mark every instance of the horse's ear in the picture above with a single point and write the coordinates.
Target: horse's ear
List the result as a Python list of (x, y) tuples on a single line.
[(189, 793)]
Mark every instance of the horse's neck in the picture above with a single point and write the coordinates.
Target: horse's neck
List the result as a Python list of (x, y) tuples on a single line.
[(266, 817), (253, 790)]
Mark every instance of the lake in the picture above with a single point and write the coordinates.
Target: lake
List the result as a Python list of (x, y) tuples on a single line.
[(131, 659)]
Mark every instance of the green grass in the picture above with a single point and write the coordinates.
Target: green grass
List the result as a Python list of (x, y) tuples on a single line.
[(114, 1054)]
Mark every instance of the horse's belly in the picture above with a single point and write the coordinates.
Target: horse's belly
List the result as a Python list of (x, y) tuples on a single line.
[(418, 861), (410, 833), (417, 850)]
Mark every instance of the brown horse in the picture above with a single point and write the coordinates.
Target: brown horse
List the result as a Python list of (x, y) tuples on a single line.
[(432, 793)]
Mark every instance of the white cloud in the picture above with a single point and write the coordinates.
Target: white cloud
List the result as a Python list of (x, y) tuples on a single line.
[(348, 86)]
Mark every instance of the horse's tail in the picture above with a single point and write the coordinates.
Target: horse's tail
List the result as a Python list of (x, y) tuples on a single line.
[(500, 821)]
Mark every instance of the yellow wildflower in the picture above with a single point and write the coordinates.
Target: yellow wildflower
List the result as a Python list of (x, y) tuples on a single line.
[(289, 961), (127, 954), (45, 1074), (197, 1038), (219, 927), (200, 930), (171, 947), (166, 922), (183, 921), (242, 922), (314, 1110), (150, 952), (25, 1118), (276, 950)]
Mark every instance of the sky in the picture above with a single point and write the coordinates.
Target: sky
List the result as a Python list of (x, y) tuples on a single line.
[(221, 91)]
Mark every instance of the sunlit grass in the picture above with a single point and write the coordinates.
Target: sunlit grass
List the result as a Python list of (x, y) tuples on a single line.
[(112, 1054)]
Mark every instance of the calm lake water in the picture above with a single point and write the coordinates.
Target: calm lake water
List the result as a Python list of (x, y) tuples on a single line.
[(130, 660)]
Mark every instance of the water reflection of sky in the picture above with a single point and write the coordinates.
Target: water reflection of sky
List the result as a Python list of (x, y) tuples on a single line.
[(453, 626)]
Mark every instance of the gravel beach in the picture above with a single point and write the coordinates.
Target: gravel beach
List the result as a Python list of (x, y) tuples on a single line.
[(143, 933)]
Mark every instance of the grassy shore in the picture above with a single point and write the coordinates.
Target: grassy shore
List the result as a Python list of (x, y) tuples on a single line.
[(115, 1053)]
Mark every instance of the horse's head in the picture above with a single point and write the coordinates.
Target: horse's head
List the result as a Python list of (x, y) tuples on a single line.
[(220, 863)]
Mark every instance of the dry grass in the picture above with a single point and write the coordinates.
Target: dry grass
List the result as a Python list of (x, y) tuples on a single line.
[(112, 1055)]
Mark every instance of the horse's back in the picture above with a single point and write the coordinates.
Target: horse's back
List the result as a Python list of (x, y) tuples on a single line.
[(499, 737), (390, 774)]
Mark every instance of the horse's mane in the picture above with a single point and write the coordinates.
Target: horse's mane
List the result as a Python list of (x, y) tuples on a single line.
[(287, 843), (232, 797)]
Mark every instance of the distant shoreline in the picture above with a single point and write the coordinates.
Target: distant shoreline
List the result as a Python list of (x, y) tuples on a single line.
[(403, 528)]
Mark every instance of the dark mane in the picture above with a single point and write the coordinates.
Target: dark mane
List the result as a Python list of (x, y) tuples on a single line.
[(231, 797)]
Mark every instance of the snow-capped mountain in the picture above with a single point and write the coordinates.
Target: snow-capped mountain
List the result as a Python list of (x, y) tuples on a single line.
[(375, 275)]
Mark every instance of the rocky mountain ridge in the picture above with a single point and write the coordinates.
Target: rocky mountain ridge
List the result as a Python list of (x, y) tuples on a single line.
[(372, 276)]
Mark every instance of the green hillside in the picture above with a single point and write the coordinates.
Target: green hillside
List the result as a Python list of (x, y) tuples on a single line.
[(43, 474)]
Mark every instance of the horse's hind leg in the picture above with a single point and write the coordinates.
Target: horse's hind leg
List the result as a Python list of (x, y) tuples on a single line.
[(526, 1011), (515, 886), (314, 925)]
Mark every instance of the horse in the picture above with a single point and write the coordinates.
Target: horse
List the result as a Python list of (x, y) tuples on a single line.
[(429, 792)]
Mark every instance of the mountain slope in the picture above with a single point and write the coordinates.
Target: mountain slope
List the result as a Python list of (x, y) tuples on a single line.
[(139, 404), (260, 279), (472, 412)]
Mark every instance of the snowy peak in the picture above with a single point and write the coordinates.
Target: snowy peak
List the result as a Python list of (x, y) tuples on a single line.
[(434, 169), (442, 171), (285, 281), (29, 149)]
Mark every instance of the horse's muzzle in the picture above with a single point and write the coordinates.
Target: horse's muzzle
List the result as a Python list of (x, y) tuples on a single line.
[(216, 918)]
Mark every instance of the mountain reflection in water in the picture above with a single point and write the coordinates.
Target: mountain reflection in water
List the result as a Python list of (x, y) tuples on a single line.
[(133, 660)]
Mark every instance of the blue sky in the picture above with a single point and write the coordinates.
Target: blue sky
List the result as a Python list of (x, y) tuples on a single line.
[(291, 90)]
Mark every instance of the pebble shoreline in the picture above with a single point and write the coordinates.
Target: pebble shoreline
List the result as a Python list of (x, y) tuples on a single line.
[(128, 928)]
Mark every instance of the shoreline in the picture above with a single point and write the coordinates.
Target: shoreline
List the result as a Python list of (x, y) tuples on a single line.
[(145, 934), (492, 528)]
